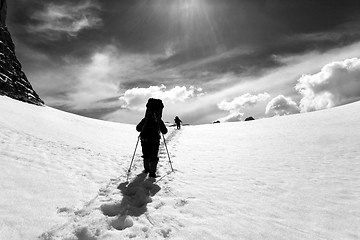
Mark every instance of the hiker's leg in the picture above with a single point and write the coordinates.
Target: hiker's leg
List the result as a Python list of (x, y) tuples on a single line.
[(154, 159), (153, 164), (146, 165), (146, 149)]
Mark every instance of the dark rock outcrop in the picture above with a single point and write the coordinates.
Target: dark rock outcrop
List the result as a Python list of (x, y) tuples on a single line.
[(249, 119), (3, 11), (13, 82)]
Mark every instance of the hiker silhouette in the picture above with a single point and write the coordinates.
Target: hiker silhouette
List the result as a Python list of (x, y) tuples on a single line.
[(178, 122), (150, 128)]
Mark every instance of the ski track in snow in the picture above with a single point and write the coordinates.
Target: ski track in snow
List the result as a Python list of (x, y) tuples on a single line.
[(128, 209)]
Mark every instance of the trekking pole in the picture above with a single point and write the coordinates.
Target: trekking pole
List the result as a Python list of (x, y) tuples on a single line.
[(167, 153), (137, 143), (128, 173), (165, 145)]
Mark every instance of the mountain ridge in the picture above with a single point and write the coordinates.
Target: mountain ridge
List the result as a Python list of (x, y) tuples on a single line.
[(13, 81)]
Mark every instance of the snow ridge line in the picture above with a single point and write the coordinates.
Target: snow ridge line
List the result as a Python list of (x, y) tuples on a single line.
[(109, 209)]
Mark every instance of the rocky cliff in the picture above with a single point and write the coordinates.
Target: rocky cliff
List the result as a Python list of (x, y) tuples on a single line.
[(13, 82)]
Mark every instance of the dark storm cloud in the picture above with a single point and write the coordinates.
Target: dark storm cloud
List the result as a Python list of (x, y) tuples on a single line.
[(137, 25), (135, 83), (55, 28), (269, 27), (147, 26)]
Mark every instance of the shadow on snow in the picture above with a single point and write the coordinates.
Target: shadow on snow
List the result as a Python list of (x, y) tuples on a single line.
[(136, 195)]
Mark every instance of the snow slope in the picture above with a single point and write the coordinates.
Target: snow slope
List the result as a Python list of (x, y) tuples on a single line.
[(294, 177)]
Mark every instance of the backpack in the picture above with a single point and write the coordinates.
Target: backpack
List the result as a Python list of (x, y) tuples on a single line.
[(155, 106), (153, 114)]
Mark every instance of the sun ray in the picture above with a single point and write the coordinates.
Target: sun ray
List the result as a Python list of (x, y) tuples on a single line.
[(193, 25)]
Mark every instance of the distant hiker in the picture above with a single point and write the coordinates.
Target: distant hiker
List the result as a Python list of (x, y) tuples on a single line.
[(178, 122), (150, 128)]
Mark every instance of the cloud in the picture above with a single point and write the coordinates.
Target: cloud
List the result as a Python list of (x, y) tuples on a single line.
[(84, 85), (232, 117), (244, 101), (336, 84), (78, 85), (239, 103), (136, 98), (58, 20), (95, 81), (141, 31), (281, 105)]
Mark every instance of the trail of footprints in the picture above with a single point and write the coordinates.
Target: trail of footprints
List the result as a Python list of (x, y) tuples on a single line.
[(121, 205)]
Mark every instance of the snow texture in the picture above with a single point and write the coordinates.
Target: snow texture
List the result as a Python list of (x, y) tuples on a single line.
[(293, 177)]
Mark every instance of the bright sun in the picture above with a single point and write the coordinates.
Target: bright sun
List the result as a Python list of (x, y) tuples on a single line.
[(189, 5)]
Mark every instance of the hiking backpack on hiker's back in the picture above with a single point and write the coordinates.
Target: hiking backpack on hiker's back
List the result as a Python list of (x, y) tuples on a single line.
[(155, 106), (150, 130)]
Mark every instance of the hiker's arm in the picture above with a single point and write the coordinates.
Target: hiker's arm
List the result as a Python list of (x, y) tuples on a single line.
[(139, 127), (163, 128)]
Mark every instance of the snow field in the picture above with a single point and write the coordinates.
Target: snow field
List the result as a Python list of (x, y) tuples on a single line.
[(127, 209), (293, 177), (53, 162)]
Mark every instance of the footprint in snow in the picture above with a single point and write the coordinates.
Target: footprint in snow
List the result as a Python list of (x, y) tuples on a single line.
[(136, 196), (181, 202)]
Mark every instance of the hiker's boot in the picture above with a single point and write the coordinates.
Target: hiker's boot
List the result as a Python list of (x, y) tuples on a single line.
[(146, 165), (152, 174), (153, 164)]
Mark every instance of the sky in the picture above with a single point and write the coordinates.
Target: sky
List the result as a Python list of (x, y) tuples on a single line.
[(207, 60)]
